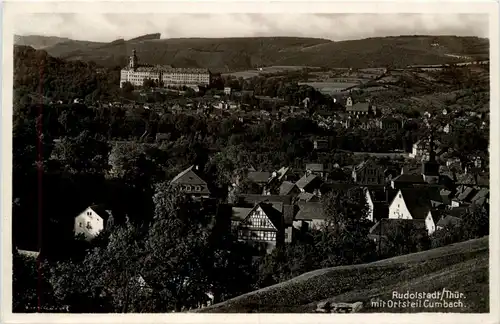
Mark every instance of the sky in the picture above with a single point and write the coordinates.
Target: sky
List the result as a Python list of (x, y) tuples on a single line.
[(109, 27)]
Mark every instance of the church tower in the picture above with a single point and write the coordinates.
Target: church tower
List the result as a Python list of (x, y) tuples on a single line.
[(430, 169), (132, 63)]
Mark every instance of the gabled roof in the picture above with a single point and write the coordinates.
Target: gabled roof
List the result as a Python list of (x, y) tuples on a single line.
[(101, 211), (466, 194), (29, 254), (286, 187), (240, 213), (253, 199), (188, 176), (306, 180), (359, 106), (282, 172), (310, 211), (409, 178), (417, 201), (481, 194), (306, 196), (259, 176)]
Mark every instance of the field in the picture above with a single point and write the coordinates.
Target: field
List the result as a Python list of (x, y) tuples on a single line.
[(329, 87), (461, 267), (247, 74)]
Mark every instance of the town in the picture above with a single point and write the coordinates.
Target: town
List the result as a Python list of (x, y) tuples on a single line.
[(152, 188)]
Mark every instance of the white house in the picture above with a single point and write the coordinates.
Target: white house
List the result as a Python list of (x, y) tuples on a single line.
[(371, 206), (91, 222), (413, 204)]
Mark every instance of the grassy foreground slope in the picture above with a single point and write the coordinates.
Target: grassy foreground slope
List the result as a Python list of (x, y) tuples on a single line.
[(461, 267)]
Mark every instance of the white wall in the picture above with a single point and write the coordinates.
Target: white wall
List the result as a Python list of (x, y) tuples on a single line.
[(429, 223), (88, 223), (398, 209), (370, 204)]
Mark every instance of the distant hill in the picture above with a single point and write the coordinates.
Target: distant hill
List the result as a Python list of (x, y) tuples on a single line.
[(39, 42), (459, 267), (233, 54)]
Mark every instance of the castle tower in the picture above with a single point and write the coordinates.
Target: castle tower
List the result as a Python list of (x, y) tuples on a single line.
[(430, 169), (132, 63)]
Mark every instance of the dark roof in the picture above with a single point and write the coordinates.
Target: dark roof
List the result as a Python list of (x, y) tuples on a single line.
[(409, 178), (275, 215), (481, 194), (101, 210), (188, 176), (387, 225), (306, 180), (240, 213), (359, 106), (417, 201), (466, 194), (310, 211), (315, 167), (259, 176), (306, 196), (448, 220), (253, 199), (457, 211), (286, 187)]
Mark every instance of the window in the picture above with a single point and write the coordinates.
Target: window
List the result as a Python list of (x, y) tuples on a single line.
[(81, 224), (89, 226)]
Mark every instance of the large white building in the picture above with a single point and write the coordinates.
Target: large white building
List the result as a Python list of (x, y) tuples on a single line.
[(91, 222), (164, 75)]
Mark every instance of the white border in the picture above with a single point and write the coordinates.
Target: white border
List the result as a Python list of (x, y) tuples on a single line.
[(191, 6)]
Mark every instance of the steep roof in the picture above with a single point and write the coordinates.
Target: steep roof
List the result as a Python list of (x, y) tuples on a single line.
[(310, 211), (417, 201), (409, 178), (359, 106), (101, 211), (188, 176), (253, 199), (306, 180), (286, 187), (240, 213), (306, 196)]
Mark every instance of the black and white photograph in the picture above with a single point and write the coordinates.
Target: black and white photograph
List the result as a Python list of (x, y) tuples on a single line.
[(218, 162)]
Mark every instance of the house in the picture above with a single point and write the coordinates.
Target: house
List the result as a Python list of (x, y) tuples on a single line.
[(190, 182), (288, 188), (227, 91), (316, 169), (378, 200), (320, 144), (481, 197), (29, 254), (259, 177), (307, 197), (262, 225), (407, 181), (160, 137), (389, 123), (250, 200), (413, 204), (359, 108), (309, 215), (309, 183), (368, 173), (91, 221)]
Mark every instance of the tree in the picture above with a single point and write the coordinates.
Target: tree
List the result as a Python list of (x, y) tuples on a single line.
[(476, 223), (174, 262), (127, 87), (344, 236), (85, 153)]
